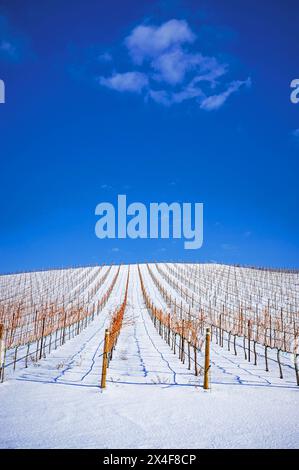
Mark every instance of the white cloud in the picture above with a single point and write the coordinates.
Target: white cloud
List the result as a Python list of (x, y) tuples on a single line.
[(170, 69), (128, 81), (147, 42), (161, 97), (169, 98), (173, 65), (214, 102), (210, 71), (295, 133)]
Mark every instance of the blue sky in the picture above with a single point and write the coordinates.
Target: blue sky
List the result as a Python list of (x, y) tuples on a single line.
[(183, 101)]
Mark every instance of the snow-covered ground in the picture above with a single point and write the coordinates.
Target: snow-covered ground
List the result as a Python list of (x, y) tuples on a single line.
[(152, 400)]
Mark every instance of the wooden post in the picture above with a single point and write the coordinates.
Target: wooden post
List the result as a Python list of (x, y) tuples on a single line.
[(15, 358), (36, 352), (64, 326), (207, 359), (279, 364), (56, 334), (220, 329), (195, 361), (244, 346), (255, 354), (249, 338), (105, 359), (235, 349), (42, 339), (183, 342), (50, 342), (27, 354), (266, 358)]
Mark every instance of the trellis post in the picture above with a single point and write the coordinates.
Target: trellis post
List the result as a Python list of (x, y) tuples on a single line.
[(105, 359), (207, 359)]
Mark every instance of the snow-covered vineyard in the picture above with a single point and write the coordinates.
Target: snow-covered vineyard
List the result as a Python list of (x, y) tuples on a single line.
[(55, 357)]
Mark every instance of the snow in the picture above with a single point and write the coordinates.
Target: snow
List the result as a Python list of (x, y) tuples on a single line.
[(152, 400)]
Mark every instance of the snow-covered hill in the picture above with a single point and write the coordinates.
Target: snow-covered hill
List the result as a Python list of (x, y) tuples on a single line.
[(152, 398)]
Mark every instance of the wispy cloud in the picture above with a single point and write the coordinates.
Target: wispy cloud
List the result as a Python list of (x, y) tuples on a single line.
[(128, 81), (214, 102), (150, 42), (169, 68)]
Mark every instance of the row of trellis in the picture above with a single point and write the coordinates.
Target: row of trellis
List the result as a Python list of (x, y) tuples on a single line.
[(35, 333), (227, 326), (272, 329), (185, 336), (112, 333)]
